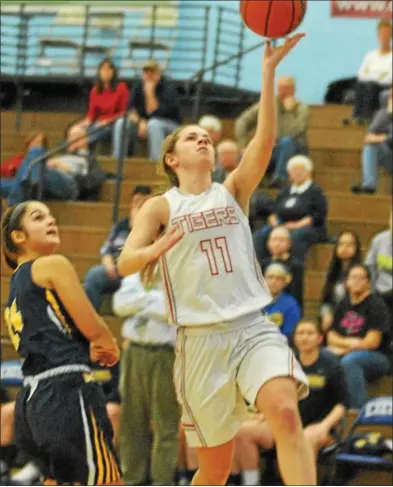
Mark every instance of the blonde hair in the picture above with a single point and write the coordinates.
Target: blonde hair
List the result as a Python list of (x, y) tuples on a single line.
[(168, 147), (149, 274), (384, 23)]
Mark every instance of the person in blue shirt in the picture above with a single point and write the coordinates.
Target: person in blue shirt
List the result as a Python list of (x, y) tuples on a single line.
[(284, 310)]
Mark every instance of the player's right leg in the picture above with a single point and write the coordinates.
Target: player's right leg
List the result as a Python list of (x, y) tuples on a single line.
[(212, 408), (214, 464)]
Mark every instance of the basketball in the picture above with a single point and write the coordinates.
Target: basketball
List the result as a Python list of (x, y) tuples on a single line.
[(273, 18)]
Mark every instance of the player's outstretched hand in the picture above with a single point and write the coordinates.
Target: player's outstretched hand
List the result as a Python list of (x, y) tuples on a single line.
[(105, 351), (274, 55), (167, 241)]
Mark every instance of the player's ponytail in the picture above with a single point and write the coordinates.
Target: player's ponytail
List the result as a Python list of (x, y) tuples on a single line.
[(12, 220), (168, 147)]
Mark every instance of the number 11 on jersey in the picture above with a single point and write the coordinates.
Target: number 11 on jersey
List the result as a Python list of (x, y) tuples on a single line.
[(213, 249)]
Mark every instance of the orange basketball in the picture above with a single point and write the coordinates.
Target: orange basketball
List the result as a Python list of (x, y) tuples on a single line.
[(273, 18)]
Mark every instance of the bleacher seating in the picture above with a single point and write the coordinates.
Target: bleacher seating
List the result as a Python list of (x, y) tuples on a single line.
[(84, 226)]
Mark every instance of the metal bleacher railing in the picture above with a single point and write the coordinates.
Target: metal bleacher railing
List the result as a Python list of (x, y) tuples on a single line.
[(66, 42), (194, 44)]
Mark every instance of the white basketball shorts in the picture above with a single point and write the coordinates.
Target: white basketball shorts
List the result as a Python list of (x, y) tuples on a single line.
[(220, 366)]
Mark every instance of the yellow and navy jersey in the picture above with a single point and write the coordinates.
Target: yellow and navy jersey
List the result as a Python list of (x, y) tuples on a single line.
[(40, 328)]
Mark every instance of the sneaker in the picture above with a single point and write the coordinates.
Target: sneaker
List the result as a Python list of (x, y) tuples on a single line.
[(360, 189)]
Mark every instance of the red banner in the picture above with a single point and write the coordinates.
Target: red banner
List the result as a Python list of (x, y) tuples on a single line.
[(369, 9)]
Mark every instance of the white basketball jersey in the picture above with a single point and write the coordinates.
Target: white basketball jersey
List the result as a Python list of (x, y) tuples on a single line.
[(211, 275)]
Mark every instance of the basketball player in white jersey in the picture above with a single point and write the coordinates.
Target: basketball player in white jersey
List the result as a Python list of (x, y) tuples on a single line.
[(227, 350)]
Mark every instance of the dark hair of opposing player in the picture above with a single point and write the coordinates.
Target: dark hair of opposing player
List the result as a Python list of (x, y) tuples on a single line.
[(12, 220)]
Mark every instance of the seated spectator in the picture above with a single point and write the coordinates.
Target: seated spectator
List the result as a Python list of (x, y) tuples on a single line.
[(149, 404), (284, 310), (108, 100), (154, 112), (279, 246), (361, 322), (377, 149), (103, 279), (346, 253), (375, 75), (213, 127), (292, 127), (9, 167), (321, 412), (380, 262), (228, 157), (301, 208), (62, 172)]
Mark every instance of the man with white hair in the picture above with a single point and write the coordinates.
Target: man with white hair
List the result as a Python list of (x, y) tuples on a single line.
[(292, 127), (301, 208), (228, 157), (213, 127)]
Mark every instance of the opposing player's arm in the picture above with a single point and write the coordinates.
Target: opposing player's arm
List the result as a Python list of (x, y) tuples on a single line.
[(246, 177), (141, 247), (56, 272)]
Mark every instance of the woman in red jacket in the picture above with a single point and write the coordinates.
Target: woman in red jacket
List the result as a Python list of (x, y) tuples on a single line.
[(108, 100)]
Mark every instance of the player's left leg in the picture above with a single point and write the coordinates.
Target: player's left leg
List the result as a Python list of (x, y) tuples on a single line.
[(270, 377), (277, 399)]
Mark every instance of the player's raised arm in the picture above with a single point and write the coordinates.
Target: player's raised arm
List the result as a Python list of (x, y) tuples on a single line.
[(246, 177), (140, 247)]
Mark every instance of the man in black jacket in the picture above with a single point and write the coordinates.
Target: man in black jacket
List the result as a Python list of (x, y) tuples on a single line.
[(154, 111)]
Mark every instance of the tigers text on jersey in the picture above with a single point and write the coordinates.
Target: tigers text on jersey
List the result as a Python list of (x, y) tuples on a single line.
[(212, 274), (40, 328)]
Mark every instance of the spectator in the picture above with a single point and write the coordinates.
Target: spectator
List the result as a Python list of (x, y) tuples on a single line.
[(346, 253), (292, 126), (9, 167), (154, 112), (301, 208), (213, 127), (103, 278), (377, 149), (149, 404), (284, 310), (375, 75), (61, 175), (228, 156), (361, 322), (321, 411), (379, 260), (279, 246), (108, 100)]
